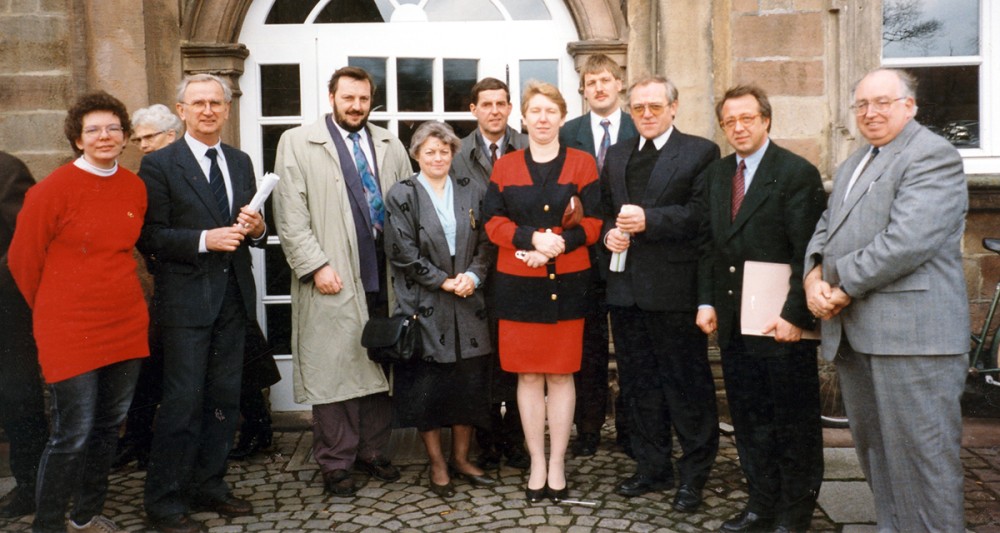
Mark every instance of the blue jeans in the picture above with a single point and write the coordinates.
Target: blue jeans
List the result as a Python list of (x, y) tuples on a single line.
[(86, 412)]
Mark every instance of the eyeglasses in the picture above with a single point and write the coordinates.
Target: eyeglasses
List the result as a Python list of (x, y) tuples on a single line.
[(200, 105), (879, 106), (111, 130), (745, 120), (147, 137), (640, 109)]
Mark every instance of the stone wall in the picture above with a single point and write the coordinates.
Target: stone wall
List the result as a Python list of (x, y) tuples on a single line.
[(39, 77)]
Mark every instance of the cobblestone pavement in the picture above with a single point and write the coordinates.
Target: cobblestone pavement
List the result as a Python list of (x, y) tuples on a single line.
[(286, 490)]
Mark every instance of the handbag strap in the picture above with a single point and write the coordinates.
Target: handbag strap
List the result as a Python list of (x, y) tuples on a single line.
[(416, 233)]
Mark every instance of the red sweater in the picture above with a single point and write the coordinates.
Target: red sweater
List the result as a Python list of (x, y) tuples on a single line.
[(71, 257)]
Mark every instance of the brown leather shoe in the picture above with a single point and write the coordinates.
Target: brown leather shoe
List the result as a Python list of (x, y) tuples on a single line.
[(380, 468), (228, 505), (339, 483), (178, 523)]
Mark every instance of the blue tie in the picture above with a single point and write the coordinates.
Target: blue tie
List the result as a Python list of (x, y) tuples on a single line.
[(605, 144), (218, 184), (375, 206)]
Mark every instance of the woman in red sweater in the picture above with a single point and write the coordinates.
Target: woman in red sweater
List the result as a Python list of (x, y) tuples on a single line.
[(71, 257), (543, 273)]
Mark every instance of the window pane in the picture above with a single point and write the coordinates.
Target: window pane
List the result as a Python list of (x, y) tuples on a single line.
[(927, 28), (459, 77), (527, 9), (546, 70), (462, 10), (278, 325), (948, 102), (279, 88), (289, 11), (348, 11), (415, 84), (462, 127), (276, 271), (406, 129), (376, 67), (269, 136)]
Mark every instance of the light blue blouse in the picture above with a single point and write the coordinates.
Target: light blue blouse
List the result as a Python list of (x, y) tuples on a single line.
[(444, 207)]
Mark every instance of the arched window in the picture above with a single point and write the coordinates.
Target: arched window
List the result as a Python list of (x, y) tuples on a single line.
[(425, 56)]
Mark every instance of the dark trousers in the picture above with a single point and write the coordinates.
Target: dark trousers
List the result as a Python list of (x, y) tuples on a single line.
[(148, 392), (353, 429), (666, 380), (774, 402), (592, 379), (199, 414), (22, 405), (87, 411)]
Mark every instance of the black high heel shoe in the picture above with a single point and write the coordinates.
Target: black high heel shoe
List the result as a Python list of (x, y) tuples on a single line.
[(473, 479), (558, 495), (536, 495)]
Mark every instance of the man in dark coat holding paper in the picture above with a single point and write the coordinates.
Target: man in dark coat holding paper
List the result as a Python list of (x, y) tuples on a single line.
[(763, 203)]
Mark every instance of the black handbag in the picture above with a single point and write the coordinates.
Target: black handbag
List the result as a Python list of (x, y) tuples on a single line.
[(395, 339)]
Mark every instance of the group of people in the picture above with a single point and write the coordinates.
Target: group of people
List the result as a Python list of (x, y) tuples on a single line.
[(513, 250)]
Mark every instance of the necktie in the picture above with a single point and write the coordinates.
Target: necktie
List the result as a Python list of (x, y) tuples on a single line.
[(493, 152), (738, 189), (375, 206), (218, 184), (605, 144), (854, 178)]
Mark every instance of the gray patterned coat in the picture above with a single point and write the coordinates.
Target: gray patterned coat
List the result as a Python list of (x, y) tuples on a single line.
[(417, 274)]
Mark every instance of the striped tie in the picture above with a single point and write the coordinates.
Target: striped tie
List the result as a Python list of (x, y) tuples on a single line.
[(605, 144), (218, 184), (738, 189)]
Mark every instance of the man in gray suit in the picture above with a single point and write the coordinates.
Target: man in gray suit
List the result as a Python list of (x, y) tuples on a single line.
[(492, 139), (884, 272)]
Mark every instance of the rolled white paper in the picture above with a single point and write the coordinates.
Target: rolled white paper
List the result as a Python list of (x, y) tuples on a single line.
[(264, 188), (618, 258)]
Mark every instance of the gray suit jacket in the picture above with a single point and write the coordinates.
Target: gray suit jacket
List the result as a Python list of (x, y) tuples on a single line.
[(471, 162), (419, 268), (894, 245)]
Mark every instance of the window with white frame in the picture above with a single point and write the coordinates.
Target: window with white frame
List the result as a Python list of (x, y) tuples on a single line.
[(951, 48)]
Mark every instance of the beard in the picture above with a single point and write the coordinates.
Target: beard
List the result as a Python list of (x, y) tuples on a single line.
[(347, 121)]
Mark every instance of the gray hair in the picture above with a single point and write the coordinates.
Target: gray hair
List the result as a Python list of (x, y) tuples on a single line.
[(157, 116), (438, 130), (227, 91), (907, 83), (651, 80)]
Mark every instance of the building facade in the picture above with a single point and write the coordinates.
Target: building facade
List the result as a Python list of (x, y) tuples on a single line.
[(425, 54)]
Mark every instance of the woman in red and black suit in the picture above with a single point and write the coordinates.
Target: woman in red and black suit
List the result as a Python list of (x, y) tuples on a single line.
[(543, 272)]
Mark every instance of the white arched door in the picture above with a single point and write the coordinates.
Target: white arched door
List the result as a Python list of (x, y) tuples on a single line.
[(425, 55)]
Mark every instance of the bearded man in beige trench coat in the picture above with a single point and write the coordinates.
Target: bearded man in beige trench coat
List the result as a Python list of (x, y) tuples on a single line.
[(333, 173)]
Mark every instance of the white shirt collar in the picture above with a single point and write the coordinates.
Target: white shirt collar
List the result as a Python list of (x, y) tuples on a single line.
[(658, 142)]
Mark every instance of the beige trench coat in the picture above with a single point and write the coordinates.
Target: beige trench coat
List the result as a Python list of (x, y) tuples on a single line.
[(316, 226)]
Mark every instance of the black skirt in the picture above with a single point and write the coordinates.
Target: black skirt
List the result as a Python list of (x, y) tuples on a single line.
[(434, 395)]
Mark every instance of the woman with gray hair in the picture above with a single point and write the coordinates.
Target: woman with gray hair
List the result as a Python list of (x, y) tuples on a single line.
[(439, 254), (154, 127)]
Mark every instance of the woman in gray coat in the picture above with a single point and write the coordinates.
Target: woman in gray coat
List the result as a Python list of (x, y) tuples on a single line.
[(440, 255)]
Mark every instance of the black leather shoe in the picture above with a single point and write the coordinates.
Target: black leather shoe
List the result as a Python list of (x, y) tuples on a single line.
[(251, 444), (18, 502), (228, 505), (178, 523), (517, 457), (789, 529), (536, 495), (489, 460), (585, 444), (687, 499), (445, 491), (640, 484), (747, 522), (474, 479), (380, 468), (339, 483), (558, 495)]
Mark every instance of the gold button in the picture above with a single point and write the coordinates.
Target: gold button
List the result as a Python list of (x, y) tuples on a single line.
[(732, 269), (552, 276), (546, 208), (555, 297)]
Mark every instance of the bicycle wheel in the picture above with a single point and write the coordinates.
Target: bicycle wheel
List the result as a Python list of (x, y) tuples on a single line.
[(831, 404)]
